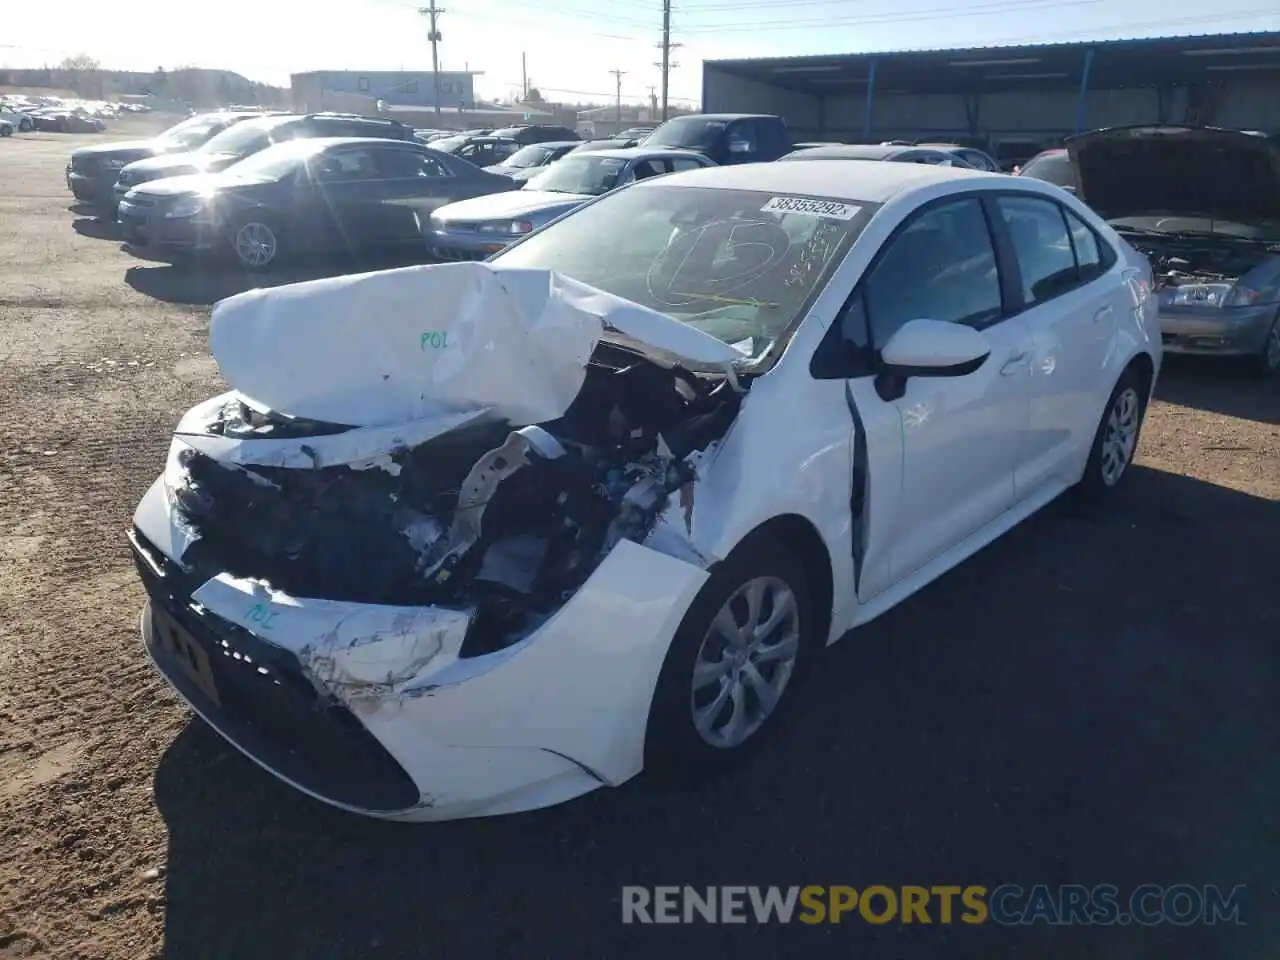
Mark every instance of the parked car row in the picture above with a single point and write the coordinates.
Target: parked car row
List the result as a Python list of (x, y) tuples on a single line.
[(1203, 205)]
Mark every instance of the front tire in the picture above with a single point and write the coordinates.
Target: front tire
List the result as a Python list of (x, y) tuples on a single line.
[(734, 663), (6, 130), (25, 125), (1116, 440), (257, 243), (1267, 361)]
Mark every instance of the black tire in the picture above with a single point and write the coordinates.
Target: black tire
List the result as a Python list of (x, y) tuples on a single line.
[(255, 224), (1100, 474), (25, 125), (6, 130), (1266, 362), (674, 748)]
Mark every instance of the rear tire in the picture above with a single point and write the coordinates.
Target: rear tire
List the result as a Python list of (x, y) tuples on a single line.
[(6, 130), (734, 664), (1116, 440)]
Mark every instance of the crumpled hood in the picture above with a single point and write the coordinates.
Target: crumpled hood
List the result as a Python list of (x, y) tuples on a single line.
[(180, 164), (513, 203), (1180, 171), (431, 341)]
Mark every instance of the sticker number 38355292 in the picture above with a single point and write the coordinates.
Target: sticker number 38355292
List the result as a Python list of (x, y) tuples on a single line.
[(814, 208)]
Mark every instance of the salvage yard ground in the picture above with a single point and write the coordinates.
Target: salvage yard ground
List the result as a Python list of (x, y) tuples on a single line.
[(1090, 700)]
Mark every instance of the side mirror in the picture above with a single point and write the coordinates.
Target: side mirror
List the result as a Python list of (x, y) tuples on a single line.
[(928, 348)]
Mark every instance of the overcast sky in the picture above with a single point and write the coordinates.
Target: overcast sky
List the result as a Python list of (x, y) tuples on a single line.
[(571, 46)]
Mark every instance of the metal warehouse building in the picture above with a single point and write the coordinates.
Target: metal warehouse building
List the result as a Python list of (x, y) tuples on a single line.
[(1012, 99)]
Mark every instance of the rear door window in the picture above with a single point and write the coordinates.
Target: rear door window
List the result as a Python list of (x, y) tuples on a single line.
[(1046, 260)]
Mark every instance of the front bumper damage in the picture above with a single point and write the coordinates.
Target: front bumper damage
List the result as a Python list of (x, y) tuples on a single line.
[(446, 616)]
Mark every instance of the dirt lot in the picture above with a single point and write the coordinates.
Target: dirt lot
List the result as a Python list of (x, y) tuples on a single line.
[(1091, 700)]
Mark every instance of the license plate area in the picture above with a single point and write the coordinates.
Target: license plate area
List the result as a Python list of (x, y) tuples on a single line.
[(184, 652)]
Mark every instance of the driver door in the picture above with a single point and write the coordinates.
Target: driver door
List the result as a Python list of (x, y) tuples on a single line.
[(939, 458)]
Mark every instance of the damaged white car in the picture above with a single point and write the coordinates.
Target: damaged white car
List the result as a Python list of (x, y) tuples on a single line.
[(481, 537)]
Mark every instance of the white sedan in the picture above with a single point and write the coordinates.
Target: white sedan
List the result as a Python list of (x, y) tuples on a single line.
[(476, 538)]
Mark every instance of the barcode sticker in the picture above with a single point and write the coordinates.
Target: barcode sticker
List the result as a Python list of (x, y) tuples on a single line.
[(833, 209)]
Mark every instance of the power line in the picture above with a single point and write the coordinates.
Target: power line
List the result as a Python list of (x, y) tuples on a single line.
[(951, 12), (595, 93)]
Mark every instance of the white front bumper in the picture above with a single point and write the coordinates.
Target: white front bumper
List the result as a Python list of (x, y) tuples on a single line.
[(560, 713)]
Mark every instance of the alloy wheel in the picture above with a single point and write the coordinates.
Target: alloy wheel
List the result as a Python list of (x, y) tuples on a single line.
[(1121, 436), (256, 244), (745, 661)]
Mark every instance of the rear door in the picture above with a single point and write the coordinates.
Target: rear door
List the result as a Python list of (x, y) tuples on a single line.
[(1071, 298), (413, 184), (347, 196)]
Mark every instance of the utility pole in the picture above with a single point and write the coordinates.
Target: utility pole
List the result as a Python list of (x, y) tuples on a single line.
[(431, 12), (617, 78), (666, 46), (524, 78), (653, 102)]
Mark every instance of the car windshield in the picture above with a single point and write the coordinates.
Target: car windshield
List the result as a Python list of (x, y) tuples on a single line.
[(697, 133), (533, 156), (1052, 168), (739, 265), (582, 175), (242, 139), (191, 133), (273, 163), (449, 144)]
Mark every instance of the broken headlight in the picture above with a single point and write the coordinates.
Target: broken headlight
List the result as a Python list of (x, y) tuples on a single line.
[(179, 492), (1212, 295)]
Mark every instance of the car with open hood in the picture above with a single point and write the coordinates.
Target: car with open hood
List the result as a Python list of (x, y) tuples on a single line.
[(92, 171), (471, 538), (247, 138), (350, 196), (1203, 205), (474, 229)]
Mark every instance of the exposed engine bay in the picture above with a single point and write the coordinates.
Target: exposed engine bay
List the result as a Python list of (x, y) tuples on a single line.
[(508, 521), (1176, 260)]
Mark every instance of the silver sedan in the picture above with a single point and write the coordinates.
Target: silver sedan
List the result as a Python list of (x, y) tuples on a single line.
[(475, 229)]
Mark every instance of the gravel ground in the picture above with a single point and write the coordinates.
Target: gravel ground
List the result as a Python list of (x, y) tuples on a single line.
[(1091, 700)]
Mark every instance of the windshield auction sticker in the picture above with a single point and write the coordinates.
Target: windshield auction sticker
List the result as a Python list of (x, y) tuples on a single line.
[(814, 208)]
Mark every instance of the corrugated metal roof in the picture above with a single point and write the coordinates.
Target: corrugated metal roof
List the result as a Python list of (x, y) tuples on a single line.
[(1249, 36)]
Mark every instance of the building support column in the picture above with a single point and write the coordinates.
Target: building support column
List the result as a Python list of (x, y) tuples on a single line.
[(1083, 102), (867, 120), (973, 112)]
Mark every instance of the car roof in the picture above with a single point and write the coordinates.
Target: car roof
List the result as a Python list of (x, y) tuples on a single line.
[(552, 144), (859, 151), (325, 142), (836, 179), (639, 153)]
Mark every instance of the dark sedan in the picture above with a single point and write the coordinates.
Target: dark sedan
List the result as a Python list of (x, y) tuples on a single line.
[(67, 121), (92, 171), (348, 195), (483, 151), (245, 139)]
